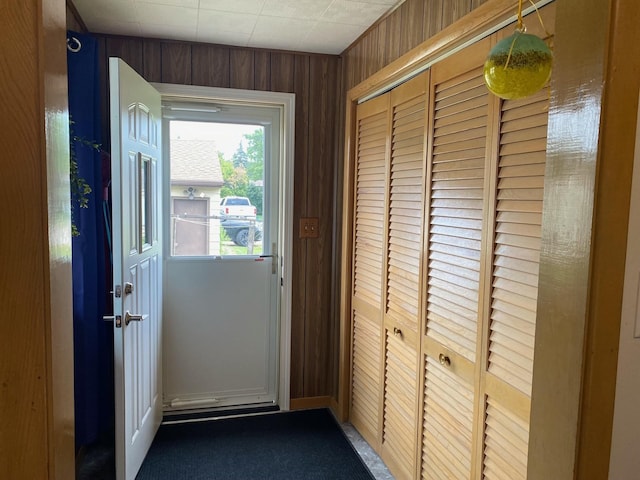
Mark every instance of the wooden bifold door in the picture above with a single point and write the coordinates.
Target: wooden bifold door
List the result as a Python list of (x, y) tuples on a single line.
[(447, 213)]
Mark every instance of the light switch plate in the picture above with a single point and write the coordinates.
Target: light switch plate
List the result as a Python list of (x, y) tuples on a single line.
[(309, 227)]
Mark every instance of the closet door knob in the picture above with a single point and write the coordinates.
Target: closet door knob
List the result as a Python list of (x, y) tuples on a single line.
[(444, 360), (397, 332)]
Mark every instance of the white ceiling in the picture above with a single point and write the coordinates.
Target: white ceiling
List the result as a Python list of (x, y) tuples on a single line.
[(321, 26)]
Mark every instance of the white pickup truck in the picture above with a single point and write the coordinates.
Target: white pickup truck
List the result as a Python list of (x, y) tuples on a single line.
[(236, 208)]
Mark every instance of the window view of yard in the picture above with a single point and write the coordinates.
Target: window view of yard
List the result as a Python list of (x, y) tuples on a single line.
[(217, 188)]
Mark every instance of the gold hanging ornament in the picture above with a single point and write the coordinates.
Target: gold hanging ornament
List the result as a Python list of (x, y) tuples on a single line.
[(519, 65)]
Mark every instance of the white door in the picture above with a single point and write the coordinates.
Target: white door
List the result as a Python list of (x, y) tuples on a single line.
[(222, 294), (137, 276)]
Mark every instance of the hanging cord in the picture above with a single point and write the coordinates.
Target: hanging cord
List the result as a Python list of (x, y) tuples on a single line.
[(546, 32), (520, 25), (522, 28)]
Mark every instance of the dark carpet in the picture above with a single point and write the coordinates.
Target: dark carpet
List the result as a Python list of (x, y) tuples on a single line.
[(297, 445)]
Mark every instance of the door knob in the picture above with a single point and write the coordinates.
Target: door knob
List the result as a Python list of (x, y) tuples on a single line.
[(444, 360), (132, 317), (397, 332)]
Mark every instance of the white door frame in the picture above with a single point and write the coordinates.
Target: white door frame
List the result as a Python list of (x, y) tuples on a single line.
[(286, 101)]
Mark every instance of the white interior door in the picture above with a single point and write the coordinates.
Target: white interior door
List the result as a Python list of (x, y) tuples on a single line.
[(222, 295), (137, 198)]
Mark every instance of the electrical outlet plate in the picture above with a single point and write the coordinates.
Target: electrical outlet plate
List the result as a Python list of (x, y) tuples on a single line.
[(309, 227)]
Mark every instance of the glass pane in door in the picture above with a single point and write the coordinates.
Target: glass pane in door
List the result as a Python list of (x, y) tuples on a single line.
[(217, 183)]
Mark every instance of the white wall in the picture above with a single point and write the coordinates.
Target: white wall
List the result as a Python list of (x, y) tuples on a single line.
[(625, 456)]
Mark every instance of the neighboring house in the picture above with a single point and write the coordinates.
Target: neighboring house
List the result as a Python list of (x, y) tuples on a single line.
[(196, 178)]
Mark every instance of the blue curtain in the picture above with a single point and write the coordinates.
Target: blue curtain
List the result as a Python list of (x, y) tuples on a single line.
[(93, 338)]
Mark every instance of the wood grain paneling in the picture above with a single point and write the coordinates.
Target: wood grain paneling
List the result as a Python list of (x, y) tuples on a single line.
[(323, 73), (381, 46), (241, 69), (301, 180), (176, 63), (128, 49), (210, 66), (262, 71), (282, 72), (74, 21), (315, 80), (392, 39), (405, 28), (411, 30), (433, 18), (152, 60)]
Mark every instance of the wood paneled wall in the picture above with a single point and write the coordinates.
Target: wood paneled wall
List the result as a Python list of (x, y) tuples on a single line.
[(409, 25), (74, 21), (315, 80)]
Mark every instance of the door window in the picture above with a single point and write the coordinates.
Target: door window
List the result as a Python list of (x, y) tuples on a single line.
[(217, 184)]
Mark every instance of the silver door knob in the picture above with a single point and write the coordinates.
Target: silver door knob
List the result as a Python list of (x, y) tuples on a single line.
[(132, 317)]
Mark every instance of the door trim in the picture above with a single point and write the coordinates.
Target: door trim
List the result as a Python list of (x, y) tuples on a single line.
[(286, 101)]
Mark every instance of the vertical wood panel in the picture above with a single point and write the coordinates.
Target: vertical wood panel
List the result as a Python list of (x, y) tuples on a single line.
[(282, 69), (241, 69), (433, 20), (322, 114), (210, 65), (176, 63), (74, 22), (128, 49), (476, 3), (372, 54), (392, 41), (381, 46), (262, 70), (411, 33), (337, 234), (298, 307), (347, 71), (454, 10), (410, 24), (358, 63), (152, 60)]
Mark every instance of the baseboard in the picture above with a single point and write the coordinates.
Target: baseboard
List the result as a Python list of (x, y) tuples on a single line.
[(310, 402), (337, 411)]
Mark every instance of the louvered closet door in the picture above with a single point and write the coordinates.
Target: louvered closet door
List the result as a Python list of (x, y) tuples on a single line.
[(372, 145), (506, 381), (402, 279), (458, 186), (516, 250)]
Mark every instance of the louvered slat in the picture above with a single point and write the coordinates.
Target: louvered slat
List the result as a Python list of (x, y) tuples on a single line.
[(365, 389), (370, 208), (405, 211), (456, 213), (523, 131), (506, 444), (401, 385), (448, 424)]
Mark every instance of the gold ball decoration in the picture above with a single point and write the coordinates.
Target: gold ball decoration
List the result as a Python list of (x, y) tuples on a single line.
[(518, 66)]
